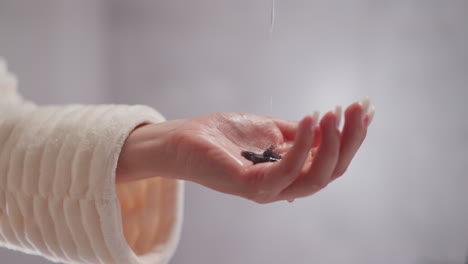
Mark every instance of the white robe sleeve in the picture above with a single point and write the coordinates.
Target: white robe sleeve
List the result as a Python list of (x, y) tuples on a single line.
[(58, 196)]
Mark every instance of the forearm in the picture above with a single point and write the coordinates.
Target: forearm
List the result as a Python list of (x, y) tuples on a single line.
[(146, 187)]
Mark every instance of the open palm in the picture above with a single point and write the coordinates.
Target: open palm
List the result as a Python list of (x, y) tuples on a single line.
[(207, 150)]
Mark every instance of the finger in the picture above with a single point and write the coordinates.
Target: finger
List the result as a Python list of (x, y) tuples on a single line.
[(323, 164), (289, 129), (369, 116), (317, 136), (354, 133), (290, 167)]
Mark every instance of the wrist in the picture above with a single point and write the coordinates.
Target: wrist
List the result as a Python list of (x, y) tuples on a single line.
[(140, 146), (146, 153)]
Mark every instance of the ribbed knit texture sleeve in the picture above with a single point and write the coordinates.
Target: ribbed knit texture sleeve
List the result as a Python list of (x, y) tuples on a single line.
[(58, 194)]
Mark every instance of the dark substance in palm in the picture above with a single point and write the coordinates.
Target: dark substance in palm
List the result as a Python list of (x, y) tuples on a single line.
[(267, 156)]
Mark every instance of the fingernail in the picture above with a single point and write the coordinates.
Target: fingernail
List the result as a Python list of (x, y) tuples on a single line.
[(338, 116), (365, 107), (291, 200), (315, 117), (371, 114)]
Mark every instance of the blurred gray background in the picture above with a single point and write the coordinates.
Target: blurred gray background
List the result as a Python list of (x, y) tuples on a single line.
[(404, 198)]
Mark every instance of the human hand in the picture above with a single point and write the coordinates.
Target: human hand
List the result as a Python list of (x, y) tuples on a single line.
[(206, 150)]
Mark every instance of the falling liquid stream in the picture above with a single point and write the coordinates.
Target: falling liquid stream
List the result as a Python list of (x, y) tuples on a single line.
[(272, 15)]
